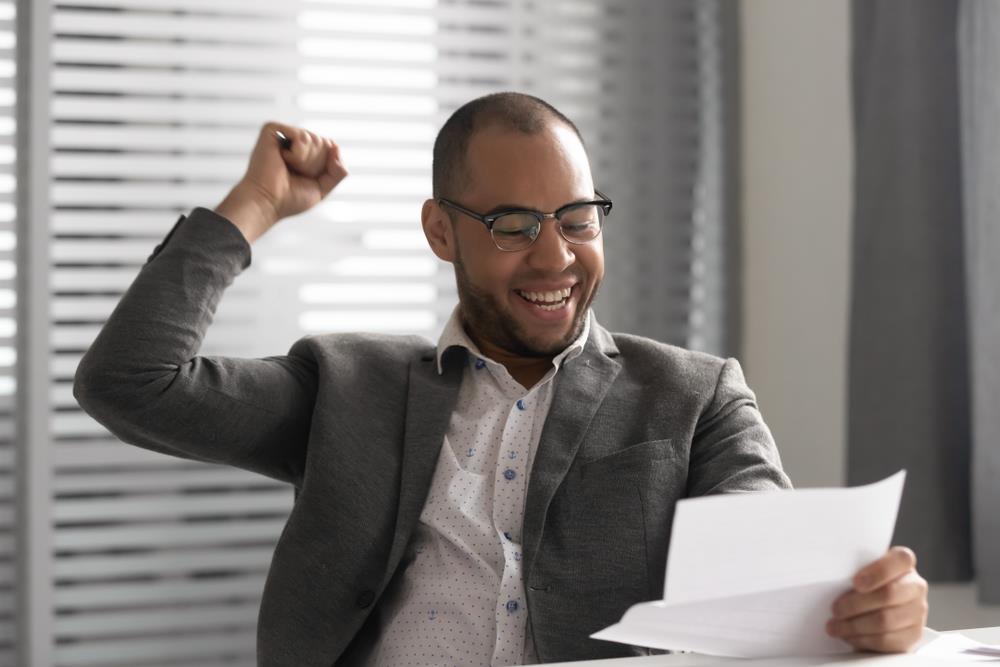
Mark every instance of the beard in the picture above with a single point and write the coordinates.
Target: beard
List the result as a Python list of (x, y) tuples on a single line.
[(486, 318)]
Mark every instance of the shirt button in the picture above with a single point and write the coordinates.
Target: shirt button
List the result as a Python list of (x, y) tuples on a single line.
[(480, 364), (366, 598), (512, 606), (509, 474), (520, 404), (507, 535)]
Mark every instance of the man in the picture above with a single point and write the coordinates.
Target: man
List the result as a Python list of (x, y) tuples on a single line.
[(491, 500)]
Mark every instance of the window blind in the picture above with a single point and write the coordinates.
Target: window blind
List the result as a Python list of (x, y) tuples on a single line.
[(155, 105)]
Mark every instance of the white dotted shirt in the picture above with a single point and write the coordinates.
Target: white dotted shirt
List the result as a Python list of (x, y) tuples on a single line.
[(461, 602)]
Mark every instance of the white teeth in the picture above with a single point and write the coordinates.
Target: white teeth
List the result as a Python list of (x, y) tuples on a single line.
[(555, 306), (547, 297)]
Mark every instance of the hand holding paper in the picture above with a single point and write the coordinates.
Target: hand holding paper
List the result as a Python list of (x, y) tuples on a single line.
[(887, 608), (756, 574)]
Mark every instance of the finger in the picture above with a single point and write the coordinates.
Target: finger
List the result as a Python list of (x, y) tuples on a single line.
[(898, 641), (335, 170), (880, 621), (268, 133), (308, 155), (895, 563), (296, 135), (268, 149), (266, 159), (910, 586)]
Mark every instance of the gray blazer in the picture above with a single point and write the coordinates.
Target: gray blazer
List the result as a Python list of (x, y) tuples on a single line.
[(355, 422)]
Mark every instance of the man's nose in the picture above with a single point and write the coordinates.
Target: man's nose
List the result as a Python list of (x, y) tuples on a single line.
[(550, 252)]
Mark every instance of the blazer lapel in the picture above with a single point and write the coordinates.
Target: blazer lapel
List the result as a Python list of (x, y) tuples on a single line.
[(430, 402), (581, 389)]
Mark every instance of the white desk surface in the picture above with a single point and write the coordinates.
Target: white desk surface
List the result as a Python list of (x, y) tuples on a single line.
[(984, 635)]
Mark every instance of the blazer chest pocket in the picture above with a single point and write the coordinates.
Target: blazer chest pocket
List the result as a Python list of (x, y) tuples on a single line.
[(602, 517), (634, 458), (619, 511)]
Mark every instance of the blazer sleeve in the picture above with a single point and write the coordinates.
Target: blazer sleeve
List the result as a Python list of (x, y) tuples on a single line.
[(733, 449), (142, 378)]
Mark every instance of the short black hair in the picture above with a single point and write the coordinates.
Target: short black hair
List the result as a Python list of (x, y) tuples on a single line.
[(516, 111)]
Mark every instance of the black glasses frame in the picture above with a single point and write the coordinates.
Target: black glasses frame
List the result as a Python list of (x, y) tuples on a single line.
[(490, 219)]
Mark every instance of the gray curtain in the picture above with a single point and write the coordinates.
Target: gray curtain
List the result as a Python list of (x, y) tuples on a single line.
[(917, 391), (979, 59)]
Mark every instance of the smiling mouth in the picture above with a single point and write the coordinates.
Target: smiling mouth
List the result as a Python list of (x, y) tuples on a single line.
[(554, 300)]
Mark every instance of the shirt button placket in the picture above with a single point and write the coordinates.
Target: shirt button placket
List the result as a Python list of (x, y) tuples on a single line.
[(508, 510)]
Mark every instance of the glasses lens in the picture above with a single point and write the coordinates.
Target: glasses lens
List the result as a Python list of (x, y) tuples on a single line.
[(582, 223), (515, 231)]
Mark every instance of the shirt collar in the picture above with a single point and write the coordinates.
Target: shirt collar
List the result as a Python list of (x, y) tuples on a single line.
[(454, 335)]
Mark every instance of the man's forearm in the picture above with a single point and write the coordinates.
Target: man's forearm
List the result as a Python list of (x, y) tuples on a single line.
[(128, 379), (249, 211), (143, 379), (162, 318)]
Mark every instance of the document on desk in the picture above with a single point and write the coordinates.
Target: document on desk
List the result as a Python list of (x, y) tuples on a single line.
[(956, 648), (755, 574)]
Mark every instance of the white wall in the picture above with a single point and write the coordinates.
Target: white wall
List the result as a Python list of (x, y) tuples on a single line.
[(797, 174), (797, 171)]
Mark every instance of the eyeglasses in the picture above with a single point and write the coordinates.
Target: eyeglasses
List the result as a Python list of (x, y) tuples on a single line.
[(516, 229)]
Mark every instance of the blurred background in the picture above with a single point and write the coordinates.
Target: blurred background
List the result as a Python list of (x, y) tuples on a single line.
[(807, 186)]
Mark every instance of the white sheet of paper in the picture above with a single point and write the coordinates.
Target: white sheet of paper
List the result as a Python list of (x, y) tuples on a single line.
[(957, 648), (754, 575)]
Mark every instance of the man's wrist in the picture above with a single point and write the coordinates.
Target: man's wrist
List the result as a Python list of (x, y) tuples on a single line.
[(248, 210)]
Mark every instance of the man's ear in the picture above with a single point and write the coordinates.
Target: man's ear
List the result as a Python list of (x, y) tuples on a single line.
[(438, 229)]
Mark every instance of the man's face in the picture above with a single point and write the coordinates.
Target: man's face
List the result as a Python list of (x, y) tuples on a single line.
[(499, 291)]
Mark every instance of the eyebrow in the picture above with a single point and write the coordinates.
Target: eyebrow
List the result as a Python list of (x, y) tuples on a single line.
[(500, 208)]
